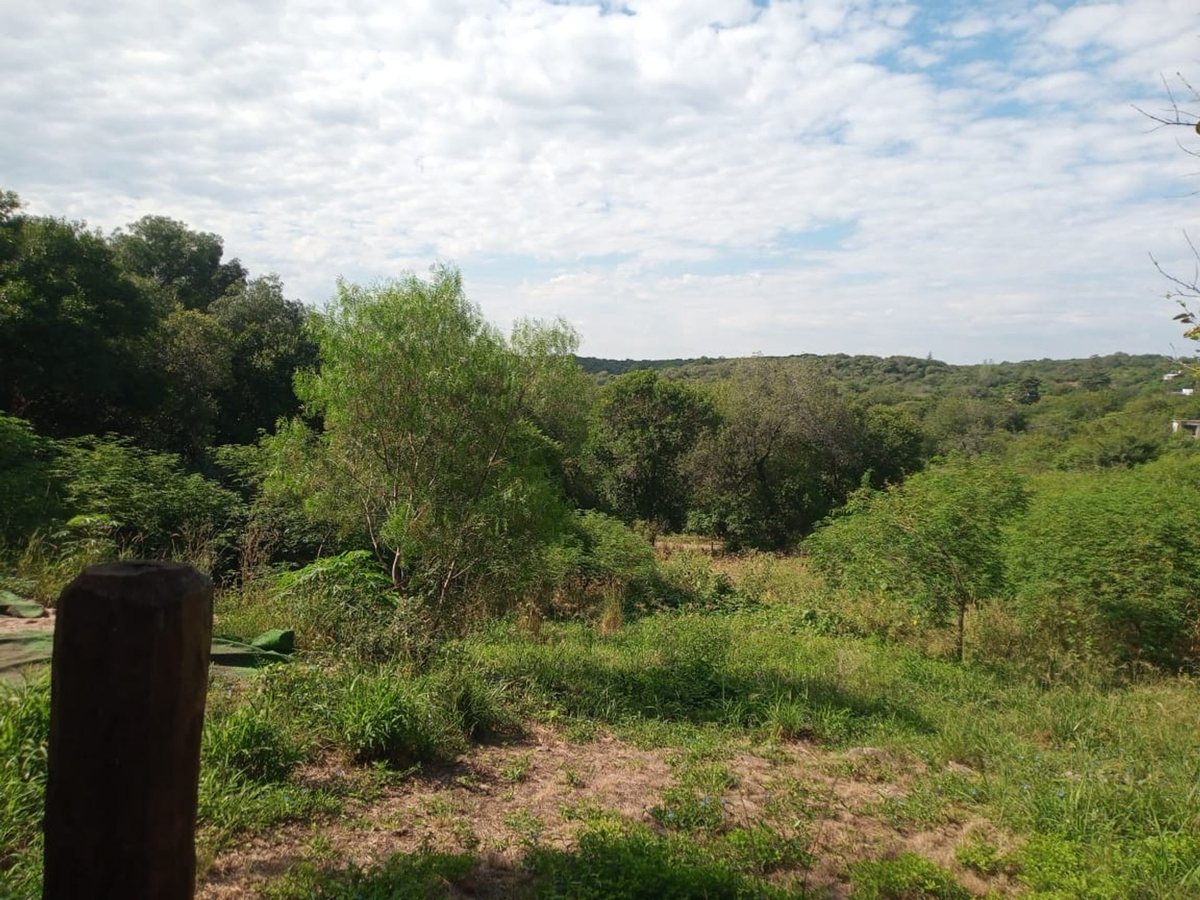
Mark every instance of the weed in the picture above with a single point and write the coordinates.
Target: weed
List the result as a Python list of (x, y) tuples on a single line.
[(418, 876), (250, 742), (904, 877), (529, 828), (618, 860), (685, 809), (517, 769), (380, 715)]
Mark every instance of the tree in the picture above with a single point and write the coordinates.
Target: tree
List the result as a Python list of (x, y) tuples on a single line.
[(430, 450), (642, 428), (75, 331), (268, 345), (1027, 391), (788, 450), (935, 540), (182, 265), (196, 356)]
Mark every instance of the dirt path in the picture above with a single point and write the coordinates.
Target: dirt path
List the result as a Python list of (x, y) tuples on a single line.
[(500, 800)]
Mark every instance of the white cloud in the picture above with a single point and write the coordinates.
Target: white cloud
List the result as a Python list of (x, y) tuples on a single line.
[(999, 204)]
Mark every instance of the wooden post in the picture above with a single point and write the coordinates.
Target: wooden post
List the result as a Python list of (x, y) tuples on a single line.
[(128, 682)]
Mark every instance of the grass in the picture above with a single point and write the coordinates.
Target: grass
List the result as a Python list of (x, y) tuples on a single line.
[(1098, 789)]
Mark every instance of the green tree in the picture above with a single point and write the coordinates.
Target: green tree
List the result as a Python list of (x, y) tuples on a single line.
[(268, 344), (1027, 391), (788, 450), (642, 428), (196, 358), (935, 540), (75, 331), (430, 449), (185, 267)]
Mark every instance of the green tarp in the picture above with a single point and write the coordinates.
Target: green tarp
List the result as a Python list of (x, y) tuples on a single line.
[(19, 607), (20, 650)]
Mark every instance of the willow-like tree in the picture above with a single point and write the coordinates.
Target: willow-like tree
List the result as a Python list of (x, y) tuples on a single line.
[(435, 449)]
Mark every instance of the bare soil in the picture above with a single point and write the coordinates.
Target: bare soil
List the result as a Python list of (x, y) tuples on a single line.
[(500, 800)]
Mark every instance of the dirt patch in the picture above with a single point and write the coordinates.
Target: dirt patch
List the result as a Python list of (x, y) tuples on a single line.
[(496, 803), (841, 794), (500, 800)]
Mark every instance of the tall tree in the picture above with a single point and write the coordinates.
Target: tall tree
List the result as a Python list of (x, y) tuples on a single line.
[(75, 352), (642, 428), (789, 449), (183, 265), (268, 344)]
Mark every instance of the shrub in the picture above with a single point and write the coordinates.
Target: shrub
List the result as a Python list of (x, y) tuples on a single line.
[(1104, 564), (30, 495), (347, 604), (599, 561), (142, 500), (381, 716), (688, 578), (936, 540)]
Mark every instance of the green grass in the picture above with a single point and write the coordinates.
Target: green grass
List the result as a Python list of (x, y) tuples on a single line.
[(1099, 789), (906, 877), (403, 877), (1109, 780)]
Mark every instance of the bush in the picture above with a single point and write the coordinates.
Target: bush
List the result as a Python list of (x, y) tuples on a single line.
[(598, 562), (143, 501), (346, 604), (935, 541), (688, 578), (1104, 565)]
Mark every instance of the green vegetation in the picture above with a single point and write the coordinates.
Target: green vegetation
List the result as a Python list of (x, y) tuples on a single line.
[(920, 596)]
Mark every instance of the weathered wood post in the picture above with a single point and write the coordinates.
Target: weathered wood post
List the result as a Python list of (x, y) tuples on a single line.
[(128, 682)]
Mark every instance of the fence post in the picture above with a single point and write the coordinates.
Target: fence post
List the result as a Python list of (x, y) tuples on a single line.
[(128, 682)]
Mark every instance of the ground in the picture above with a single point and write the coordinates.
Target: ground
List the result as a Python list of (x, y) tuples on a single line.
[(498, 801)]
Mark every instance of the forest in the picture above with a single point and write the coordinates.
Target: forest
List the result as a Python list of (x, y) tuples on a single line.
[(799, 626)]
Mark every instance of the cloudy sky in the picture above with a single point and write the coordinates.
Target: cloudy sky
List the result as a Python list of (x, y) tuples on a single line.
[(674, 177)]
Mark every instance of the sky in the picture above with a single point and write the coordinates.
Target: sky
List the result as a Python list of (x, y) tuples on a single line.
[(674, 178)]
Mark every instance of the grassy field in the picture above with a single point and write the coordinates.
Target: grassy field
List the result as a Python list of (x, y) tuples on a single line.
[(736, 752)]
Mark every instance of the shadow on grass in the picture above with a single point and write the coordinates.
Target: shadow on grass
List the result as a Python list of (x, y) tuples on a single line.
[(698, 691)]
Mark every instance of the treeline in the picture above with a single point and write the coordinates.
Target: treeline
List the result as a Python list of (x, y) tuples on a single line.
[(155, 399)]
